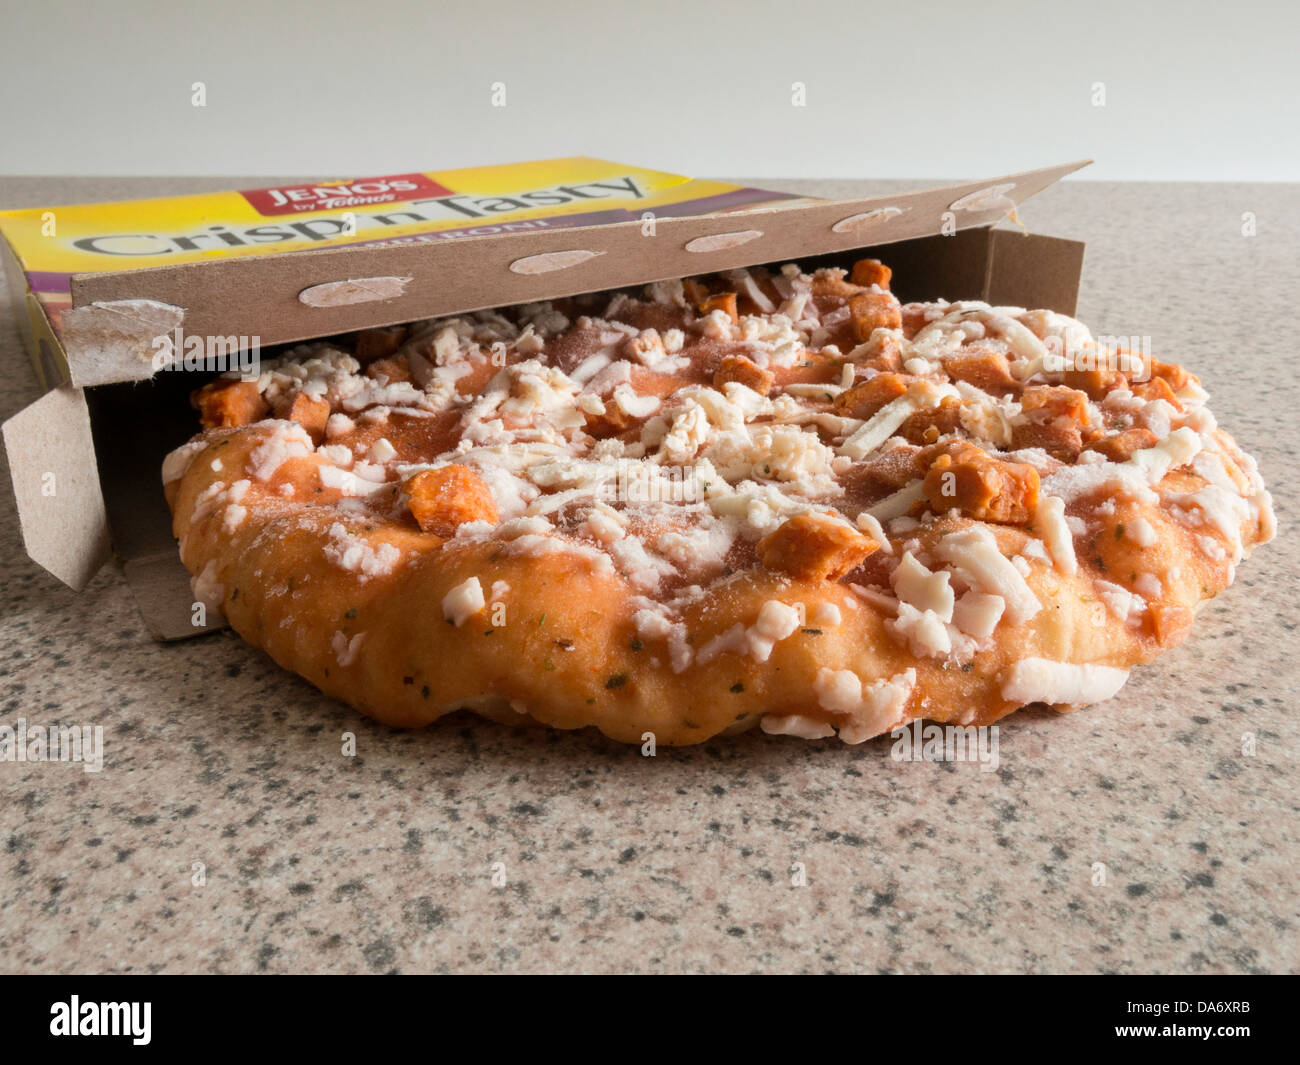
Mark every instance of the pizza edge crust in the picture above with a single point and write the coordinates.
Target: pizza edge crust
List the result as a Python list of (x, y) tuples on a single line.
[(566, 653)]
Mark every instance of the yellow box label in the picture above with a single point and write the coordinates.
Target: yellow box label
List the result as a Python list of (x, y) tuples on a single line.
[(54, 242)]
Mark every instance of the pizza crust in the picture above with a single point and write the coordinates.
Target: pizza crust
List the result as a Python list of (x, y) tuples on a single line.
[(636, 543)]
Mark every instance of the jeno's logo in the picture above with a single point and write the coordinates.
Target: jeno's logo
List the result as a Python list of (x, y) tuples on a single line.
[(338, 195), (351, 223)]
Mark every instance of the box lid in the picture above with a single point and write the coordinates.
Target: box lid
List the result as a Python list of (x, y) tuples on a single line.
[(117, 280)]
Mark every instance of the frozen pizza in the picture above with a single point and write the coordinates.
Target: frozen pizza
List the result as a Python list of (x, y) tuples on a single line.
[(765, 498)]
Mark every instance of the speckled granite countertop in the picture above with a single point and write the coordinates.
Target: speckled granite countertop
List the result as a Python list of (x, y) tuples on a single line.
[(682, 863)]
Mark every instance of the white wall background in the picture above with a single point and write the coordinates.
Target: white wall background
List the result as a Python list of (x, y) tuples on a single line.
[(952, 89)]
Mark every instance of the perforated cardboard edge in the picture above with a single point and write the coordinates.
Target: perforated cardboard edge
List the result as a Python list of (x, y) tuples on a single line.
[(119, 340)]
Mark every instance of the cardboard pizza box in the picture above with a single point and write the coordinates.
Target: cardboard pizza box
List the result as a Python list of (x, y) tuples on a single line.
[(115, 301)]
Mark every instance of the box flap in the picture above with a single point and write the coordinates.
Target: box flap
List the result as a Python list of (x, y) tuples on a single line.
[(1030, 270), (161, 587), (56, 485)]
